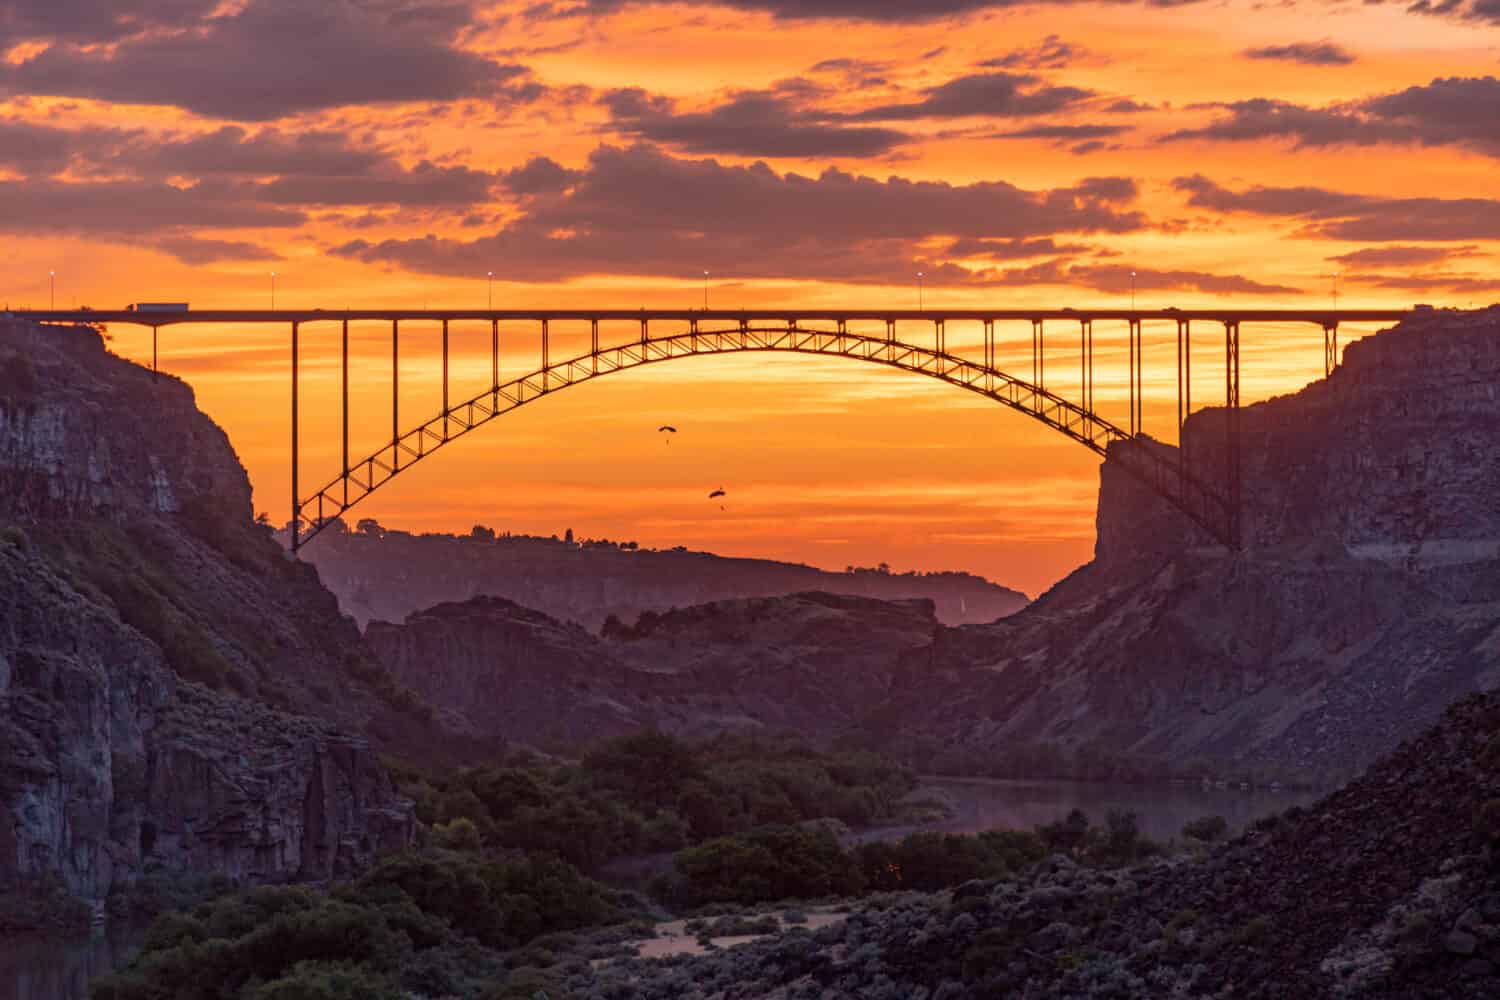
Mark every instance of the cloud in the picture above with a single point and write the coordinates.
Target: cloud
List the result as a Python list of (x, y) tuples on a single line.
[(265, 59), (31, 148), (1481, 11), (751, 123), (1070, 133), (311, 168), (88, 21), (639, 211), (424, 185), (1358, 218), (1458, 111), (167, 190), (1431, 282), (124, 207), (540, 175), (236, 151), (996, 94), (1015, 249), (195, 250), (1403, 256), (879, 11), (1050, 53), (1117, 280), (1323, 53)]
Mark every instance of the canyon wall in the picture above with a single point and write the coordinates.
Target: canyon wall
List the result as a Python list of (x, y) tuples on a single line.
[(161, 661), (1366, 598), (386, 575)]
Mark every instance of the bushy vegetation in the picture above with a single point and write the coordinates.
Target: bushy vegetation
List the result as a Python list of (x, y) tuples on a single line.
[(433, 923), (767, 864), (779, 863), (650, 792), (1206, 829)]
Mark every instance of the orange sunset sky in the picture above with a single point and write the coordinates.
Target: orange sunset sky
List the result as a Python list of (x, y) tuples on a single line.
[(608, 152)]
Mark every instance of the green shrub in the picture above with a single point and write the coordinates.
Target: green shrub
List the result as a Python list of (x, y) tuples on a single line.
[(650, 792), (1207, 829), (768, 864), (329, 981)]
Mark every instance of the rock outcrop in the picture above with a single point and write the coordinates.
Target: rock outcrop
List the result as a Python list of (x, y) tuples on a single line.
[(1367, 597), (386, 575), (511, 672), (814, 664), (153, 643)]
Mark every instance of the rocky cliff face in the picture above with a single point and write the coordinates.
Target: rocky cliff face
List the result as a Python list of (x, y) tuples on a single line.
[(386, 575), (810, 663), (1367, 597), (132, 585), (512, 672)]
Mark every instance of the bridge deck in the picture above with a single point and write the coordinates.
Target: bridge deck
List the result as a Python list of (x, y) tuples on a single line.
[(1322, 317)]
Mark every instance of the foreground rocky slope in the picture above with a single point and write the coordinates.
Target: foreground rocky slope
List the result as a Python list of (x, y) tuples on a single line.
[(153, 642), (386, 575), (816, 664), (1388, 888)]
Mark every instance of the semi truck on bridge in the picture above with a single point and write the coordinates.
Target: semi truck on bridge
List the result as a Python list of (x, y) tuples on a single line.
[(157, 307)]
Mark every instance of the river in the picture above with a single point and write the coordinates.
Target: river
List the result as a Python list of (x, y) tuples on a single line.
[(50, 968), (60, 969), (978, 804)]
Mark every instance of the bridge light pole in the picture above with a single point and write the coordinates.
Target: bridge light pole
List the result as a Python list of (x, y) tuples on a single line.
[(920, 307), (51, 290), (705, 291), (273, 289), (1132, 291), (489, 301)]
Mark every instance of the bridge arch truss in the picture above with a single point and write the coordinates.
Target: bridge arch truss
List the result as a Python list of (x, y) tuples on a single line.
[(1211, 508)]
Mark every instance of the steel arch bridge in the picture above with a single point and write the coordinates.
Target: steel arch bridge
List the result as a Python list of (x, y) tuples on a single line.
[(1210, 497), (1206, 506)]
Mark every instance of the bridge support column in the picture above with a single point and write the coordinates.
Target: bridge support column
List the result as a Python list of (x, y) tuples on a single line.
[(345, 352), (940, 334), (1330, 347), (1184, 394), (1038, 350), (890, 331), (494, 365), (395, 396), (296, 501), (645, 334), (445, 380), (594, 345), (153, 354), (1133, 349), (989, 355), (546, 356), (1086, 362), (1232, 428)]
